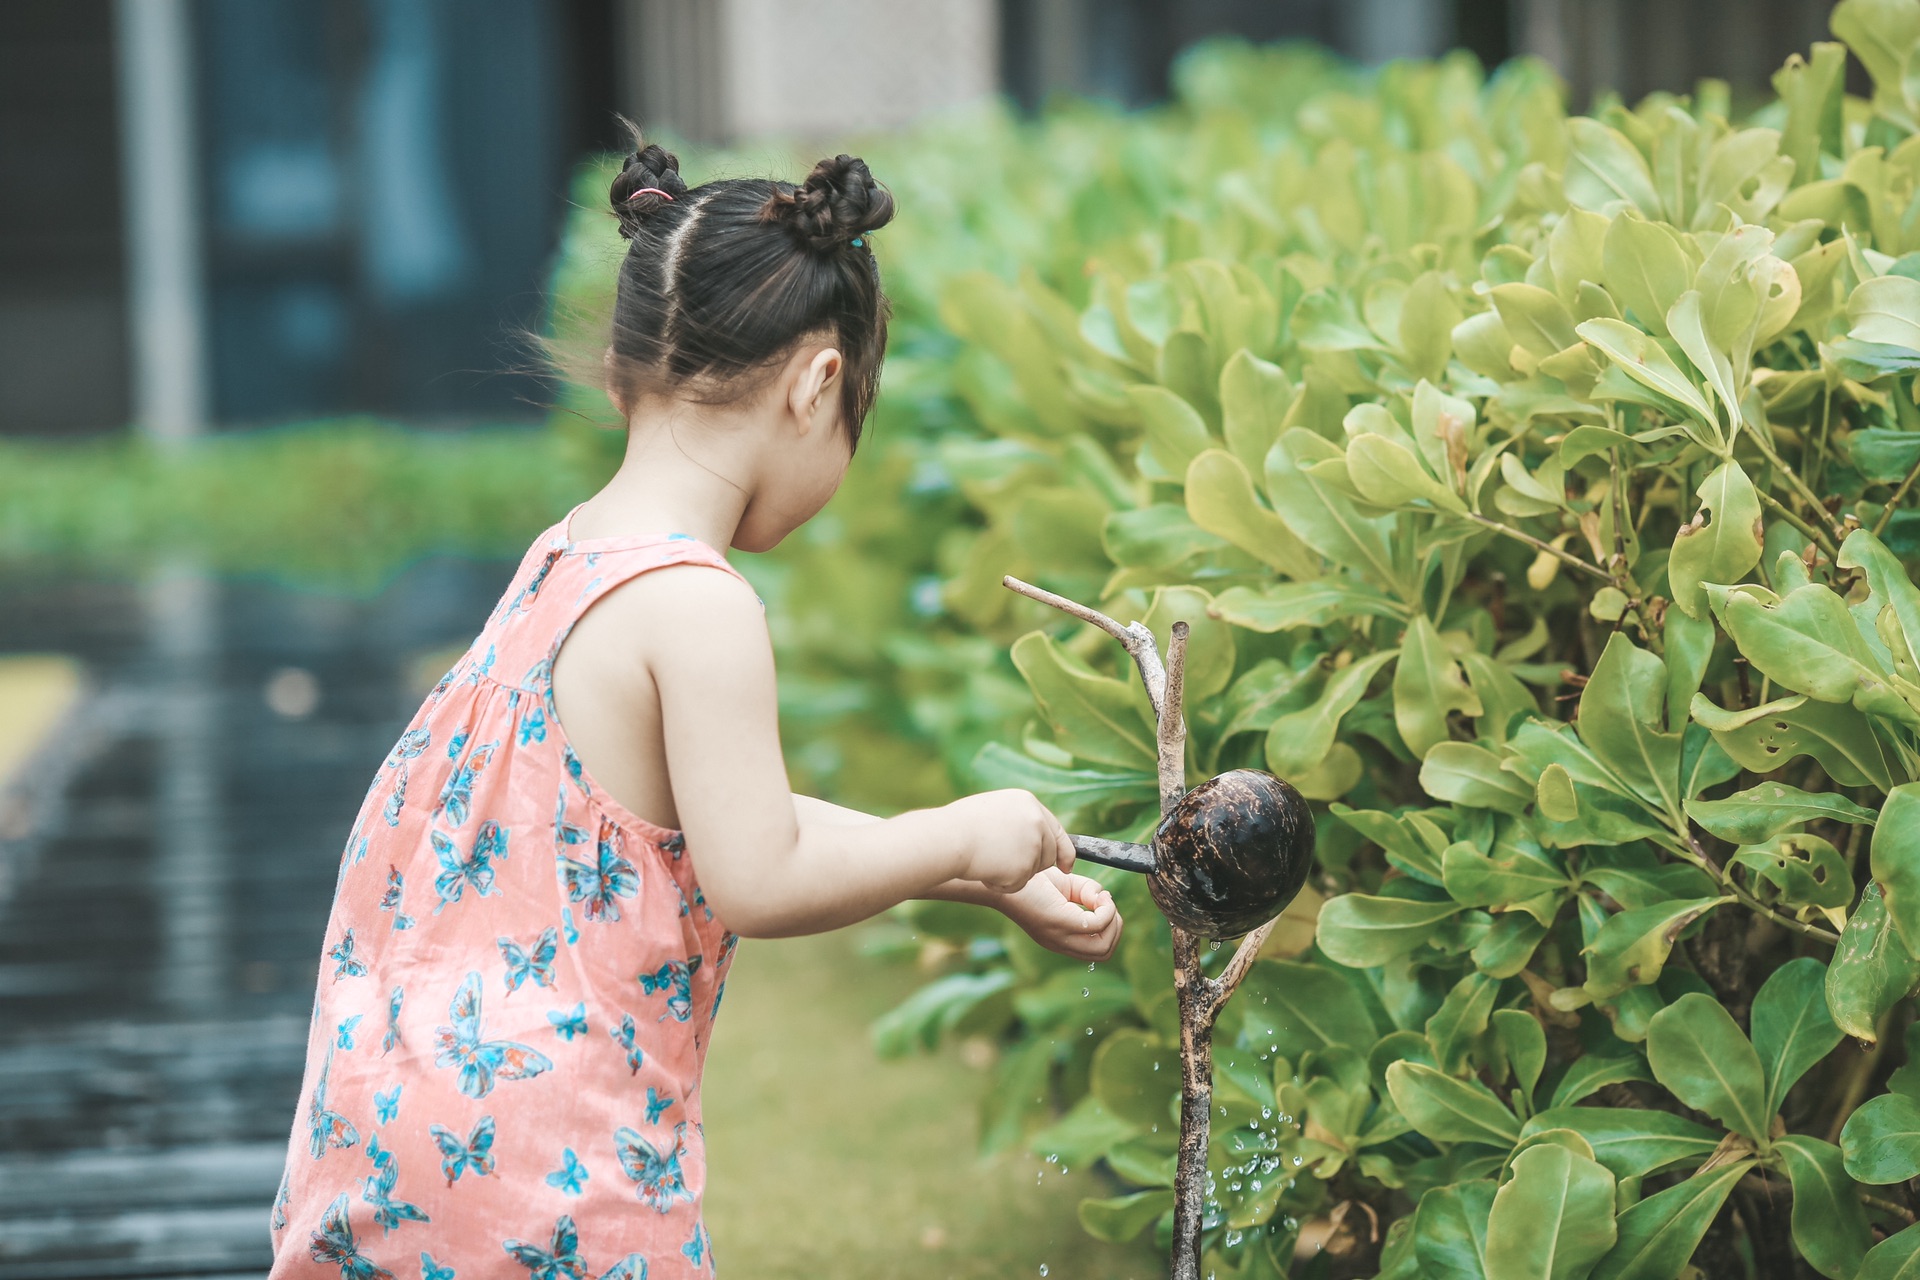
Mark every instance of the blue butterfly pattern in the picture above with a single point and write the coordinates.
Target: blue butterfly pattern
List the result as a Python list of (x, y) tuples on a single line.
[(377, 1191), (457, 1156), (343, 1034), (567, 1179), (476, 869), (342, 954), (599, 888), (537, 964), (655, 1173), (676, 978), (623, 1035), (631, 1267), (411, 744), (454, 744), (565, 834), (657, 1104), (697, 1248), (386, 1106), (456, 798), (334, 1243), (396, 799), (533, 726), (326, 1128), (568, 1025), (560, 1260), (481, 669), (480, 1061), (431, 1270), (395, 999), (570, 931)]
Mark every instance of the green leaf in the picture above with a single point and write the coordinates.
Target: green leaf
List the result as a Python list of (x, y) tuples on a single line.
[(1457, 1025), (1517, 871), (1121, 1218), (1766, 737), (1622, 719), (1895, 856), (1792, 1029), (1254, 399), (1538, 322), (1221, 500), (1300, 739), (1450, 1230), (1083, 1135), (1883, 455), (1428, 313), (1525, 1043), (1552, 1220), (998, 765), (1592, 1072), (1804, 870), (1135, 1076), (926, 1015), (1764, 811), (1096, 717), (1647, 363), (1806, 641), (1882, 1139), (1646, 271), (1449, 1110), (1323, 518), (1210, 644), (1161, 536), (1360, 931), (1605, 168), (1829, 1224), (1659, 1234), (1427, 685), (1872, 969), (1709, 358), (1631, 1141), (1723, 548), (1698, 1052), (1509, 945), (1895, 1258), (1471, 775), (1886, 309), (1287, 605), (1306, 1007), (1388, 474), (1176, 433), (1555, 795)]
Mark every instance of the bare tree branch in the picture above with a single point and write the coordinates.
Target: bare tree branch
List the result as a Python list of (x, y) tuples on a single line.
[(1135, 638)]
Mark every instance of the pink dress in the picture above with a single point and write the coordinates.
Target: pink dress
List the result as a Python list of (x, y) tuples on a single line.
[(520, 978)]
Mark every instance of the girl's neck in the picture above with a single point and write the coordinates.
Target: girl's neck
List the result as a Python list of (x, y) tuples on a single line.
[(681, 474)]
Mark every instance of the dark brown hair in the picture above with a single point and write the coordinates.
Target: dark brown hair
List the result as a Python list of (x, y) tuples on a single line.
[(721, 280)]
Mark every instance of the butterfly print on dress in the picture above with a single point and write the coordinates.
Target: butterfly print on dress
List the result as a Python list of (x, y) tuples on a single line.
[(655, 1173), (599, 888), (536, 963), (334, 1243), (481, 1061), (457, 1156), (475, 869)]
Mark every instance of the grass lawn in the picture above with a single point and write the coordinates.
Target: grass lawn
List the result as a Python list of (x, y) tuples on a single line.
[(826, 1161)]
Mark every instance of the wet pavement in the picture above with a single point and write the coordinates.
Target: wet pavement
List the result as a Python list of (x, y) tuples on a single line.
[(167, 860)]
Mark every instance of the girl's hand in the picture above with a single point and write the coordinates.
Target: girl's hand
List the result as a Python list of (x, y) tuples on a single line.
[(1010, 837), (1073, 915)]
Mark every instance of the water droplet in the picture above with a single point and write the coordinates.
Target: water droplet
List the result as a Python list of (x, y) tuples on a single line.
[(1090, 968), (1216, 944), (1084, 992), (1053, 1159), (1266, 1113), (1043, 1268), (1089, 1030)]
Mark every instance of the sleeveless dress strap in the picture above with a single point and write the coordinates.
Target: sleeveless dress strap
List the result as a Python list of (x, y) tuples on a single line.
[(605, 564)]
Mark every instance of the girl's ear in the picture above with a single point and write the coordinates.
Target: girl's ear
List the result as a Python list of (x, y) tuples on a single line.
[(818, 381)]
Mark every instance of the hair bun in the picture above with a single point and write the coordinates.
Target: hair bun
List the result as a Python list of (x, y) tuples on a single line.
[(648, 181), (839, 202)]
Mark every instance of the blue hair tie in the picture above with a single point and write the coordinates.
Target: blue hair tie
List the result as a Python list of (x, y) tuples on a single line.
[(857, 242)]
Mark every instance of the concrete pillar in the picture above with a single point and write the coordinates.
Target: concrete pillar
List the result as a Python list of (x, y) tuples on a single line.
[(160, 166), (739, 70)]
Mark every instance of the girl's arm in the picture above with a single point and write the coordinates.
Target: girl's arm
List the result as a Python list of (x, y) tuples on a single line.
[(766, 873), (1071, 914), (824, 813)]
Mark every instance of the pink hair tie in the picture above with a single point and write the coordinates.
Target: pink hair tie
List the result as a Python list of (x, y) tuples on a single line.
[(654, 191)]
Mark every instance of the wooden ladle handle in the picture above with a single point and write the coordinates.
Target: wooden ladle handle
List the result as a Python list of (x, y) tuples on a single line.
[(1115, 853)]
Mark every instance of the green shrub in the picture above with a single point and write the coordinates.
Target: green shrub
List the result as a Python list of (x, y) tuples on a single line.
[(1537, 488)]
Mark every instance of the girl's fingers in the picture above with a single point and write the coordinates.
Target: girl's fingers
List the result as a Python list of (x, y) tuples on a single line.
[(1084, 891), (1063, 854), (1098, 917)]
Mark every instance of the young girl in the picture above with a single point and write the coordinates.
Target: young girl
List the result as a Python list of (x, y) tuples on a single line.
[(542, 892)]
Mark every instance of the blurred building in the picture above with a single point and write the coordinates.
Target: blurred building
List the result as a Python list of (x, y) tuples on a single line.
[(225, 212)]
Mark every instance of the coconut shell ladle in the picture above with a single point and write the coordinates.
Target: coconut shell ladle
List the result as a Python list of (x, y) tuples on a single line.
[(1226, 859)]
